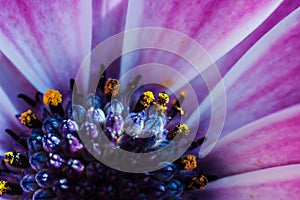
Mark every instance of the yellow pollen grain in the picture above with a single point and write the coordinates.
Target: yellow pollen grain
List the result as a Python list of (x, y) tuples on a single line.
[(189, 162), (9, 157), (147, 99), (198, 182), (183, 129), (163, 98), (52, 97), (27, 117), (112, 87), (3, 187)]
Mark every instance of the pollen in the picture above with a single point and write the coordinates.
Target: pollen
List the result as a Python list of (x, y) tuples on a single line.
[(9, 157), (198, 183), (27, 117), (147, 98), (183, 129), (163, 98), (52, 97), (3, 187), (112, 87), (189, 162)]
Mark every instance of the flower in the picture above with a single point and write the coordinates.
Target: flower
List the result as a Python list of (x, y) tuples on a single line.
[(254, 45)]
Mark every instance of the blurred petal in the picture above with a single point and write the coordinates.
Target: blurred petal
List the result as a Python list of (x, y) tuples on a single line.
[(265, 80), (226, 62), (268, 184), (46, 41), (269, 142), (108, 19), (7, 119), (11, 87), (217, 26)]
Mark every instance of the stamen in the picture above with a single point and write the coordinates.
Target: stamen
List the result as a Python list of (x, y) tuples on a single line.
[(198, 183), (17, 138), (3, 187), (102, 78), (15, 159), (29, 119), (179, 129), (9, 157), (183, 129), (27, 99), (197, 143), (176, 106), (163, 99), (111, 88), (189, 162), (52, 97), (146, 99)]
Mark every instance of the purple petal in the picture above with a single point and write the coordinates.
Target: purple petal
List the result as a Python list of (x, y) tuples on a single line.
[(272, 183), (46, 41), (265, 80), (226, 62), (217, 26), (108, 19), (269, 142), (13, 88)]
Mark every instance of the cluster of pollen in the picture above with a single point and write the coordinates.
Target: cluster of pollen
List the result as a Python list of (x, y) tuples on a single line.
[(198, 183), (57, 165), (9, 157), (27, 117), (3, 187), (147, 98), (183, 129), (189, 162), (52, 97), (112, 87)]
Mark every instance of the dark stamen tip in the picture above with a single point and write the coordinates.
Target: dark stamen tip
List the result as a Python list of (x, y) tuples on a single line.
[(16, 137), (27, 99), (38, 97), (212, 178), (72, 82), (197, 143)]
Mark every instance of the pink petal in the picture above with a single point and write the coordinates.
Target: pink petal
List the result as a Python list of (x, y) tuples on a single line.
[(217, 26), (268, 184), (108, 19), (226, 62), (269, 142), (265, 80), (46, 41)]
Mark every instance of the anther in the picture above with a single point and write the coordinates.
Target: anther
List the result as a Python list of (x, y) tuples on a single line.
[(111, 88), (182, 129), (53, 99), (16, 159), (161, 104), (30, 120), (189, 162), (146, 99), (197, 183), (176, 108)]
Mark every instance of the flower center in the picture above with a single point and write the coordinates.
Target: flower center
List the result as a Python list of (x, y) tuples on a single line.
[(57, 163)]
